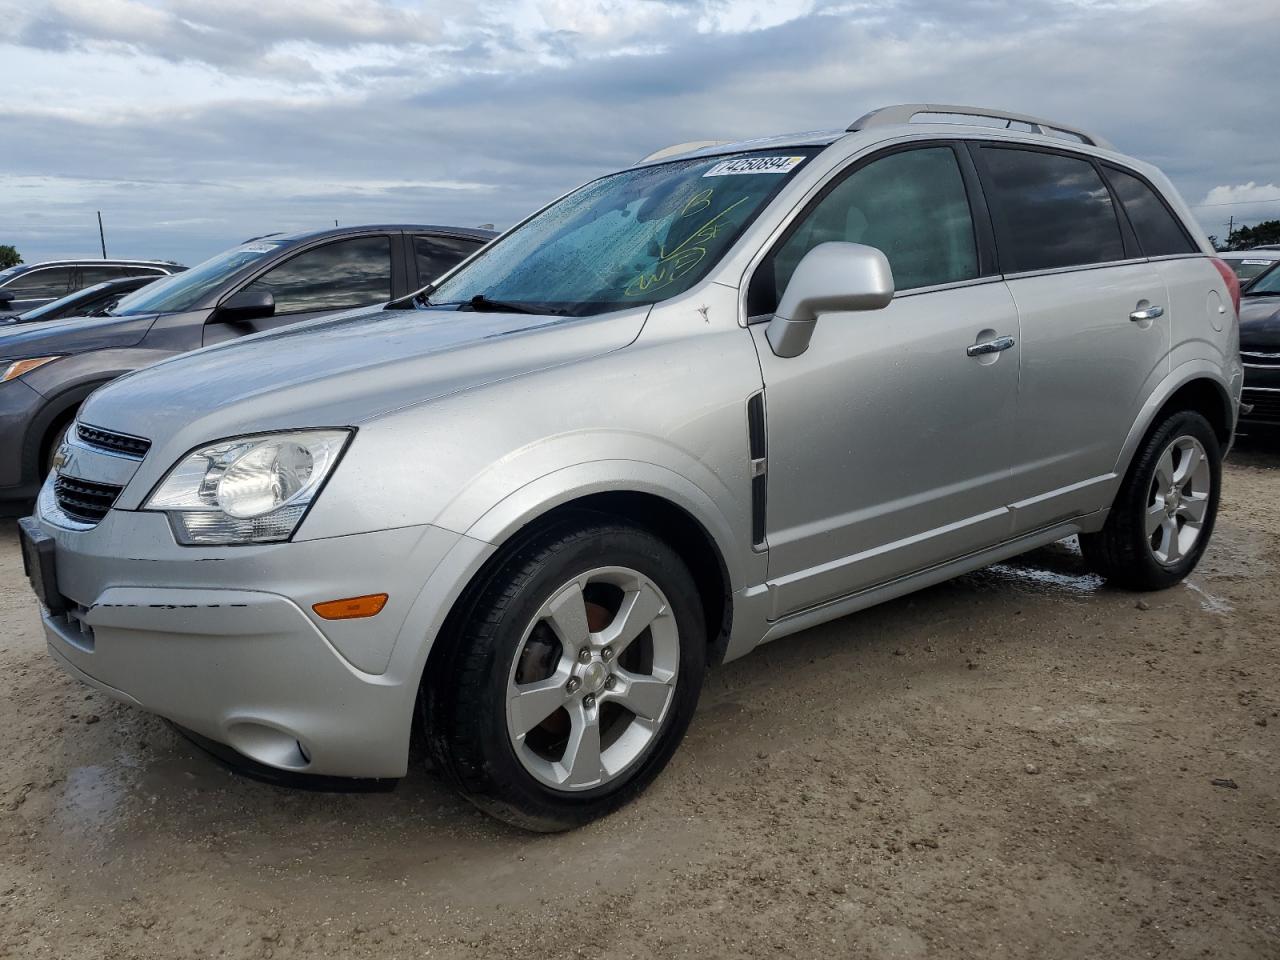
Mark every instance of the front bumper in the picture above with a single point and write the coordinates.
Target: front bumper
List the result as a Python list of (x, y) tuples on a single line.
[(19, 407), (1262, 392), (223, 641)]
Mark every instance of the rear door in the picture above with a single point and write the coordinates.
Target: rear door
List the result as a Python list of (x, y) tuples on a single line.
[(1094, 320), (334, 276)]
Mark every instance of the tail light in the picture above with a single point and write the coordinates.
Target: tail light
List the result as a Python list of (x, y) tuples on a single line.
[(1231, 280)]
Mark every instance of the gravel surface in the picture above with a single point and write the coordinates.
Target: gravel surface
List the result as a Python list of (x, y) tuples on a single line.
[(1019, 763)]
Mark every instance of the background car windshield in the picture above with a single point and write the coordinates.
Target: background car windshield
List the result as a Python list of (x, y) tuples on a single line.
[(635, 237), (1248, 268), (1269, 282), (182, 291)]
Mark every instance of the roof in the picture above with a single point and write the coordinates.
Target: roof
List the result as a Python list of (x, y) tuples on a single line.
[(898, 118), (1259, 253), (474, 233), (100, 261)]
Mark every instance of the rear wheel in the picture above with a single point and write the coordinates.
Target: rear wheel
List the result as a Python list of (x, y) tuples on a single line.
[(1164, 514), (573, 679)]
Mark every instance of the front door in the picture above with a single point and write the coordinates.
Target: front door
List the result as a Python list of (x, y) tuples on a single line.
[(888, 442)]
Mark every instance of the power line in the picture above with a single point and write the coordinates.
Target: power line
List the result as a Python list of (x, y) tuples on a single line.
[(1234, 203)]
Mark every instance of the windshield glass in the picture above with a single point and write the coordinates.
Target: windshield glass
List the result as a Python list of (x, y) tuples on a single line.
[(635, 237), (182, 291), (10, 272), (1269, 282)]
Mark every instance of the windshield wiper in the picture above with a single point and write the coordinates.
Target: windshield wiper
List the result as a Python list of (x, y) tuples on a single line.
[(482, 304)]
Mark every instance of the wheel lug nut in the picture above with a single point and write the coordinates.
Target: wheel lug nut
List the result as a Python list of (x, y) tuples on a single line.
[(588, 701), (610, 682), (573, 684), (606, 654), (584, 655)]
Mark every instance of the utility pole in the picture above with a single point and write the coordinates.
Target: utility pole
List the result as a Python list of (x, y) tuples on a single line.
[(102, 237), (1231, 226)]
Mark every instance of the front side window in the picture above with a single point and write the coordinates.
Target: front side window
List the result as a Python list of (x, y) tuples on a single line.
[(91, 275), (336, 276), (436, 255), (186, 290), (629, 239), (1049, 210), (1158, 230), (43, 284), (912, 206)]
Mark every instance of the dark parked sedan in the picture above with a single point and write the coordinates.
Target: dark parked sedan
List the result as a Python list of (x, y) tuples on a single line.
[(1260, 349), (89, 302), (48, 369)]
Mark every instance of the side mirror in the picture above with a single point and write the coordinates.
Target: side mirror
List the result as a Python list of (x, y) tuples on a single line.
[(246, 305), (833, 277), (7, 297)]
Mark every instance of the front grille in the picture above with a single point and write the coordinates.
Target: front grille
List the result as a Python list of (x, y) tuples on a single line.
[(113, 442), (84, 500), (1266, 405)]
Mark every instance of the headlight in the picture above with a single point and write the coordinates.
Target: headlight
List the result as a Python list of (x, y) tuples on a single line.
[(13, 369), (248, 489)]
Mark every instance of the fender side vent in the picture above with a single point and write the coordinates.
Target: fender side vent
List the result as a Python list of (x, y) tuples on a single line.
[(757, 443)]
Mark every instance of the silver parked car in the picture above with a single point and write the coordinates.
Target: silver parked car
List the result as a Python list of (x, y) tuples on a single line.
[(734, 391)]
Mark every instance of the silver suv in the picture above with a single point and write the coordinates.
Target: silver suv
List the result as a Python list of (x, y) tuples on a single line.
[(731, 392)]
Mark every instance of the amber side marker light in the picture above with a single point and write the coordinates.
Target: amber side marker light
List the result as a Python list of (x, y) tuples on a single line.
[(352, 608)]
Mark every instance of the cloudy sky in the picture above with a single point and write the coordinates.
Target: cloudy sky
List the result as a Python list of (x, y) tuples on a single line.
[(193, 124)]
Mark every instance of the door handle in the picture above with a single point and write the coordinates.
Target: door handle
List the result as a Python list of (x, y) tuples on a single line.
[(1150, 313), (989, 346)]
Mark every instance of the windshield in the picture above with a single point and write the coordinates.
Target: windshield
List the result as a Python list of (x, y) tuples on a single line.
[(182, 291), (635, 237), (1268, 282), (9, 272)]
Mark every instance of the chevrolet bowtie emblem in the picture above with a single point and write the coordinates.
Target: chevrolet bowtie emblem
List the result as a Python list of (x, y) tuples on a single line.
[(60, 458)]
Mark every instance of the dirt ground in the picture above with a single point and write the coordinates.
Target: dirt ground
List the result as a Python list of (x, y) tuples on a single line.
[(1019, 763)]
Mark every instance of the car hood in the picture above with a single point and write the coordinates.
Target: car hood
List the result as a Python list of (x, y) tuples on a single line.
[(71, 335), (342, 371), (1260, 324)]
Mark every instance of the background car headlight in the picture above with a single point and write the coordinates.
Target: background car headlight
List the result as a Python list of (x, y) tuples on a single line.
[(12, 369), (247, 489)]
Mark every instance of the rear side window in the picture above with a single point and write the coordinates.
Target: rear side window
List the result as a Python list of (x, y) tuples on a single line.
[(1159, 232), (435, 255), (47, 283), (337, 276), (1049, 210), (911, 205), (91, 275)]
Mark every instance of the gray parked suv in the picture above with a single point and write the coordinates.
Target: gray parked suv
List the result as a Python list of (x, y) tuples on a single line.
[(47, 369), (689, 408)]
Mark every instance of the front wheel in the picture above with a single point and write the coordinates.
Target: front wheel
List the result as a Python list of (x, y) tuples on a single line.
[(1163, 515), (574, 677)]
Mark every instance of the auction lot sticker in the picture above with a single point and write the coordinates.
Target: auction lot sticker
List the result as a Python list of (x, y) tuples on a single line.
[(729, 168)]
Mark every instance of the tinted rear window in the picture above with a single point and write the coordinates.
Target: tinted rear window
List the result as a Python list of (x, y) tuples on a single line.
[(1158, 230), (1049, 210)]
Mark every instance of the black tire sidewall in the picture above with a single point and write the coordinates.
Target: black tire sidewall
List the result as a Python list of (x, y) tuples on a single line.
[(1130, 509), (503, 786)]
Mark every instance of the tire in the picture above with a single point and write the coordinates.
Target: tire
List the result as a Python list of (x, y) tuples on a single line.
[(517, 654), (1150, 540), (59, 436)]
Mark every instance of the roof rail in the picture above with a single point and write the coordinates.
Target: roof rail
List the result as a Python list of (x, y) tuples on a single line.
[(678, 148), (903, 112)]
